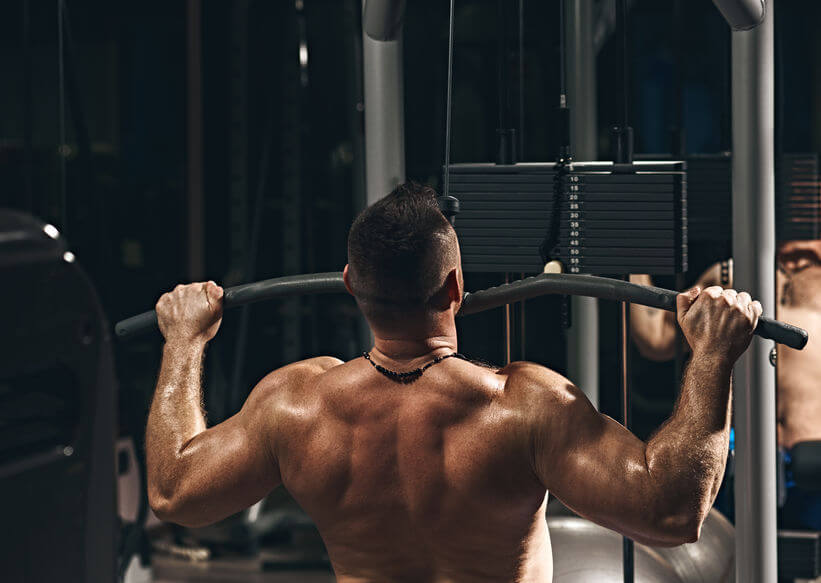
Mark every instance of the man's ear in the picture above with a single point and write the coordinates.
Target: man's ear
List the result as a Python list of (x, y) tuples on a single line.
[(346, 279), (454, 286)]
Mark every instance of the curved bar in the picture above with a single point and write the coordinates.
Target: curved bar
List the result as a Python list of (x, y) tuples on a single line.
[(291, 285), (530, 287), (609, 289), (567, 284)]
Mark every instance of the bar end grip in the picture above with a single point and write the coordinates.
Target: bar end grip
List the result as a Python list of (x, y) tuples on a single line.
[(781, 332), (139, 324)]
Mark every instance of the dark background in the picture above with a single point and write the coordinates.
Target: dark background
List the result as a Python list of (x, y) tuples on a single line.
[(291, 136)]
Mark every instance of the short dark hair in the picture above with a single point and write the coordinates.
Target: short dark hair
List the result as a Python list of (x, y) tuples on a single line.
[(399, 247)]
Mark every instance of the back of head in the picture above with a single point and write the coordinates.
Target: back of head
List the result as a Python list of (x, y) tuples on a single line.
[(400, 251)]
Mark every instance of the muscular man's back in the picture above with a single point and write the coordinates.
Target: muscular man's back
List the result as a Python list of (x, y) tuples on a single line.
[(426, 481)]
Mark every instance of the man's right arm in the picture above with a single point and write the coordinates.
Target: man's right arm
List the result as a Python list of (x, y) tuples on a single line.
[(657, 492)]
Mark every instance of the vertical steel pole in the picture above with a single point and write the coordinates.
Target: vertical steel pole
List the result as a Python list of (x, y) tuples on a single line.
[(384, 120), (583, 336), (753, 254), (384, 114)]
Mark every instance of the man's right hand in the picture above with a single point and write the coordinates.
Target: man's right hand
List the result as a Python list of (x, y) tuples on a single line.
[(718, 322)]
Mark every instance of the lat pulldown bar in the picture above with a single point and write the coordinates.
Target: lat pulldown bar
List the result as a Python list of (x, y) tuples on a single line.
[(474, 302)]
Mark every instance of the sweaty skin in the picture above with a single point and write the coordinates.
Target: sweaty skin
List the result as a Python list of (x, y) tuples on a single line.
[(443, 479)]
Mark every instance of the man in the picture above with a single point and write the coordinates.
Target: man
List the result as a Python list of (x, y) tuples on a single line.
[(440, 474), (798, 295)]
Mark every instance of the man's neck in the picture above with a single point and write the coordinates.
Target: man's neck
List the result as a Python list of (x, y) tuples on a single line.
[(409, 349), (409, 343)]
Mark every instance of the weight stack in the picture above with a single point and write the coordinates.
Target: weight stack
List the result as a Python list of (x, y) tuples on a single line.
[(709, 202), (504, 215), (594, 217), (798, 198)]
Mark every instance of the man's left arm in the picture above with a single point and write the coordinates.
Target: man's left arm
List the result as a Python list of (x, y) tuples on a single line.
[(199, 475)]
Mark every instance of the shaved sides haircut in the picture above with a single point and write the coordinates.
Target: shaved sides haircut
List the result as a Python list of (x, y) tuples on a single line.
[(400, 251)]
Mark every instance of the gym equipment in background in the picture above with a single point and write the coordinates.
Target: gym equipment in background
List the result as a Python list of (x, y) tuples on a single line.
[(598, 217), (57, 413), (584, 551)]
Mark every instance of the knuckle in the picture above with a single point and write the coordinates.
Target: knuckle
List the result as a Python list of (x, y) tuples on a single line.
[(713, 292)]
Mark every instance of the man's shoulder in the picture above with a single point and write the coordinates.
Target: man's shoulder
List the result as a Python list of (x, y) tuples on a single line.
[(294, 376), (535, 383)]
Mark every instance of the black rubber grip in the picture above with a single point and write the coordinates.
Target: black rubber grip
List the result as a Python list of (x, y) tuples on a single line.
[(609, 289), (530, 287), (292, 285)]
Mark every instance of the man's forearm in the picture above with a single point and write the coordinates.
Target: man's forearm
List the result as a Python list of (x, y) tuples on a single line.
[(687, 456), (176, 415)]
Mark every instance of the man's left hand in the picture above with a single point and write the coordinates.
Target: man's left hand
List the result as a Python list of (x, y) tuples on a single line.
[(190, 313)]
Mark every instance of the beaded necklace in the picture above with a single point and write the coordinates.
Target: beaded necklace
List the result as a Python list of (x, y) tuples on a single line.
[(412, 375)]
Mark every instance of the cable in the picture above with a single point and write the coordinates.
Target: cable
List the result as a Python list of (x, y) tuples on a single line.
[(521, 153), (564, 151), (678, 148), (501, 65), (621, 19), (446, 188), (625, 156), (621, 135), (562, 57), (563, 158)]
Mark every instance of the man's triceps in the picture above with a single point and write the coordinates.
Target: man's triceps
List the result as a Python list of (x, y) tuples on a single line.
[(601, 470)]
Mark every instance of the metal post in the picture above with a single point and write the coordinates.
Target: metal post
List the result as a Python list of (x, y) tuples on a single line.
[(754, 254), (384, 105), (583, 335)]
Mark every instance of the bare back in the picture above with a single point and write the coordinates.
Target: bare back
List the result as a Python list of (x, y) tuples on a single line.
[(427, 481)]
